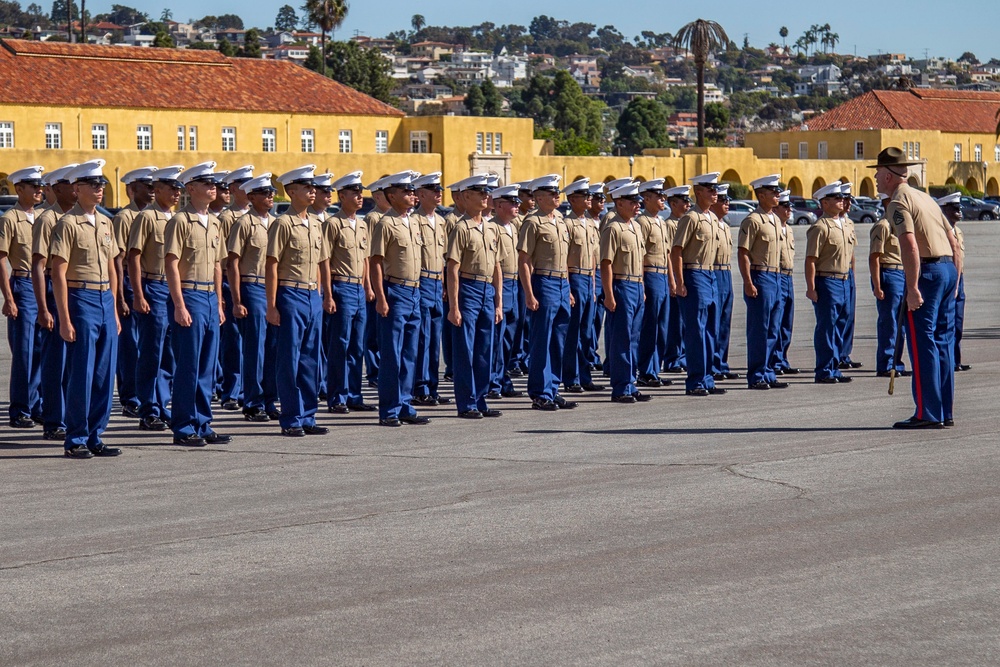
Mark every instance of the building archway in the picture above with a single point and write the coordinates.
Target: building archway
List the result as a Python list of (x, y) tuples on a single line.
[(914, 183), (5, 187), (867, 188), (578, 178), (972, 185), (731, 176), (795, 186), (669, 182), (992, 188), (845, 179), (820, 182), (608, 179), (950, 181), (639, 179)]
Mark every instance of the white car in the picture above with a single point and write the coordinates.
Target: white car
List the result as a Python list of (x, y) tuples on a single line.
[(739, 209)]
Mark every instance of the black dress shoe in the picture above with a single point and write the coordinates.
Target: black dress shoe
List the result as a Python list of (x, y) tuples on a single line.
[(641, 397), (104, 450), (490, 412), (718, 377), (392, 421), (624, 398), (294, 432), (514, 373), (563, 403), (373, 384), (855, 364), (913, 422), (191, 440), (791, 371), (573, 389), (732, 376), (57, 434), (779, 372), (339, 409), (760, 385), (362, 407), (949, 422), (152, 423), (777, 385), (513, 393), (441, 399), (214, 438), (844, 379), (543, 404), (425, 400), (38, 419), (700, 391), (274, 415), (416, 420), (597, 367), (23, 422), (323, 396), (716, 391), (130, 411), (963, 367), (78, 452), (255, 415), (829, 380), (648, 381), (315, 430), (494, 395), (884, 374), (590, 386), (230, 405), (471, 414), (449, 377)]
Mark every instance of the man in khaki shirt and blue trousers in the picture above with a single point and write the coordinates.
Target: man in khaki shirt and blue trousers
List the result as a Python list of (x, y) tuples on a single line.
[(82, 253), (295, 251)]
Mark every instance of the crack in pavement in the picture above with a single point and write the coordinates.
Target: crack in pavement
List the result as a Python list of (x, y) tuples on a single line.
[(801, 493)]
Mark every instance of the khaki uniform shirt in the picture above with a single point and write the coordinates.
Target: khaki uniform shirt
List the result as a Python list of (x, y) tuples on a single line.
[(297, 244), (724, 251), (916, 212), (476, 247), (450, 221), (371, 218), (198, 249), (960, 235), (146, 236), (698, 235), (622, 245), (654, 235), (122, 224), (41, 232), (89, 249), (399, 246), (435, 235), (248, 240), (545, 239), (348, 247), (669, 232), (508, 258), (883, 242), (831, 244), (15, 237), (787, 248), (584, 241), (762, 238), (227, 219)]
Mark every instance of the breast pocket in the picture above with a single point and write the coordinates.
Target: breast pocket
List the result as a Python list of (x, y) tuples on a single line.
[(345, 241), (22, 234)]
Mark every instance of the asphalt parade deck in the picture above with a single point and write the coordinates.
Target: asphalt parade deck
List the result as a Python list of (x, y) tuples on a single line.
[(786, 527)]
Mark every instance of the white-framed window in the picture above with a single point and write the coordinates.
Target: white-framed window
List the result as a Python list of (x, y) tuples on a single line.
[(228, 139), (498, 142), (269, 140), (479, 142), (381, 141), (907, 150), (308, 141), (783, 150), (193, 138), (345, 141), (6, 134), (99, 136), (803, 150), (489, 143), (916, 150), (859, 150), (144, 137), (996, 148), (821, 150), (180, 137), (420, 141), (53, 135), (958, 152), (978, 153)]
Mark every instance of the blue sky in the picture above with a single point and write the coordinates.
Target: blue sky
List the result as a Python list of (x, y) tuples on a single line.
[(913, 27)]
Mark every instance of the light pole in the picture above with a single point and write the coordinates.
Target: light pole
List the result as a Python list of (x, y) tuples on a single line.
[(631, 161)]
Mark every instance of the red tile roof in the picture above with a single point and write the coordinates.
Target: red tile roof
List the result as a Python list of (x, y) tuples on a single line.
[(915, 109), (135, 77)]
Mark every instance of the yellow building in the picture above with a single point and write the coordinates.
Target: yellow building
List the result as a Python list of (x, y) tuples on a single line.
[(62, 103)]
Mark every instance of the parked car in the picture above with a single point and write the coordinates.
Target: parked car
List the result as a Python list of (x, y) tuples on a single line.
[(739, 209), (866, 211), (805, 211), (7, 202), (977, 209)]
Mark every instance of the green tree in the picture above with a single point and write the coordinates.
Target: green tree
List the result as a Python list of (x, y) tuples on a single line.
[(286, 19), (968, 57), (701, 37), (784, 34), (328, 15), (474, 100), (365, 70), (418, 22), (226, 47), (229, 22), (251, 44), (166, 15), (717, 119), (123, 15), (643, 124), (201, 46), (314, 60), (163, 40), (492, 99), (62, 11)]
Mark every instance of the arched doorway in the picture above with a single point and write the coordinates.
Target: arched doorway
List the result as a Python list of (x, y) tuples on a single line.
[(669, 182), (914, 183), (577, 178), (867, 188), (950, 181), (992, 188), (608, 179), (820, 182), (972, 185), (731, 176), (795, 186), (639, 179)]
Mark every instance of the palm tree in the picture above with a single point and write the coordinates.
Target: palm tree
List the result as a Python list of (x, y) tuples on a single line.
[(701, 38), (328, 15), (784, 33), (832, 38), (418, 22)]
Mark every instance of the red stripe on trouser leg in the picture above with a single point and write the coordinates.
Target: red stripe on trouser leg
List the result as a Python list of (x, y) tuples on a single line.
[(916, 364)]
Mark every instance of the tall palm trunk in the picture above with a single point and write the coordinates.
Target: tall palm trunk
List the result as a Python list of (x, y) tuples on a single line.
[(701, 104)]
